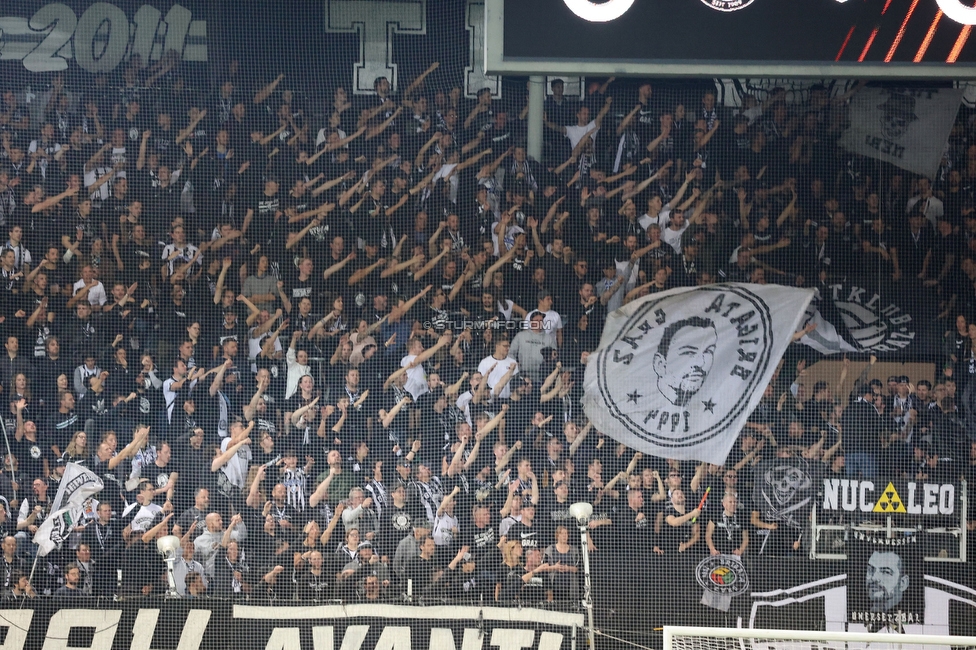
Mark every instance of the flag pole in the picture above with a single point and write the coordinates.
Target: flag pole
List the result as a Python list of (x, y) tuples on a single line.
[(6, 440), (30, 579)]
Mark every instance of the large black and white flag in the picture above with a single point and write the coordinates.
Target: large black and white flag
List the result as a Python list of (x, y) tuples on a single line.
[(677, 373), (78, 484), (784, 491), (905, 127), (868, 317)]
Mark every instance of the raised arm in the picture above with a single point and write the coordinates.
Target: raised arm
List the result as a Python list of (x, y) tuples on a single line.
[(254, 312), (265, 92), (223, 458), (580, 437), (434, 261), (378, 129), (361, 274), (53, 200), (268, 324), (507, 377), (555, 127), (624, 123), (418, 160), (420, 79), (603, 111), (188, 131)]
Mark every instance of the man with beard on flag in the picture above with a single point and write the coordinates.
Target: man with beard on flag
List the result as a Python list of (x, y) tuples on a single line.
[(678, 373), (78, 484)]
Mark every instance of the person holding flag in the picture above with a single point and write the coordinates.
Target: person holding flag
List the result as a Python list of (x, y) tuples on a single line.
[(78, 484)]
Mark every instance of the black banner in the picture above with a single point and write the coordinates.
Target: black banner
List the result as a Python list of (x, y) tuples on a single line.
[(210, 624), (884, 581), (870, 315), (784, 491), (784, 593)]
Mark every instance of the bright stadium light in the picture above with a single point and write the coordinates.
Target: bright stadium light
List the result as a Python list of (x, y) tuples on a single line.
[(167, 547), (581, 511)]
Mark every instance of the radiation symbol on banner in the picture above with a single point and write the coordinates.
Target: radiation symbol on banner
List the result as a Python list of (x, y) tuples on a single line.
[(890, 501)]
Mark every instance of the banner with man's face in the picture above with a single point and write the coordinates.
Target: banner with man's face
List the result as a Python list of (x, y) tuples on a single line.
[(884, 581), (678, 373)]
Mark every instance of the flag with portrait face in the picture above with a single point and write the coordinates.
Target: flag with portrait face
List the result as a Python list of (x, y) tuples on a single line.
[(884, 580), (678, 373)]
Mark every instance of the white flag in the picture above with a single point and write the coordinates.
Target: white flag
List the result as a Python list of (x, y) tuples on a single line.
[(54, 531), (907, 127), (78, 484), (678, 373)]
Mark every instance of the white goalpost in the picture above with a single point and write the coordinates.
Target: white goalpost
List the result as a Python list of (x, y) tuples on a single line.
[(712, 638)]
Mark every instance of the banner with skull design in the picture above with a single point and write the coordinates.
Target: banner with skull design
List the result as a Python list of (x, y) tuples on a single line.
[(905, 127), (784, 491)]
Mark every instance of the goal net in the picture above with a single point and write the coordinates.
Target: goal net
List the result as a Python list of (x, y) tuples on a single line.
[(704, 638)]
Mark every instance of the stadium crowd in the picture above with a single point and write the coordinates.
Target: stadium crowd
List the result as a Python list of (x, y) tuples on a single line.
[(338, 350)]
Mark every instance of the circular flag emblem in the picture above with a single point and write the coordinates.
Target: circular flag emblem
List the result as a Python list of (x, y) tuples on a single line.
[(728, 5), (723, 575), (691, 351)]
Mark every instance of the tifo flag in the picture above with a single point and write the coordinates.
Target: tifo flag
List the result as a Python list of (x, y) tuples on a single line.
[(677, 373), (884, 579), (905, 127), (78, 484), (54, 531), (868, 318), (784, 491)]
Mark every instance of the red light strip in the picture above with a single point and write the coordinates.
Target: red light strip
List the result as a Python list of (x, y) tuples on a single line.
[(928, 37), (901, 32), (867, 46), (844, 46), (960, 43)]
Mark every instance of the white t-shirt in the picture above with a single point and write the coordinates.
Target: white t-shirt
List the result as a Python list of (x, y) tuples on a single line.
[(673, 237), (576, 133), (170, 396), (51, 149), (295, 372), (631, 278), (416, 383), (236, 468), (254, 346), (96, 296), (662, 219), (144, 518), (464, 403), (551, 320), (510, 233), (497, 374)]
